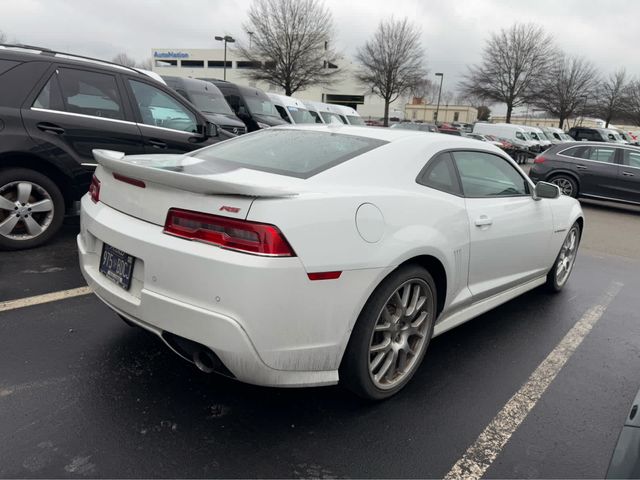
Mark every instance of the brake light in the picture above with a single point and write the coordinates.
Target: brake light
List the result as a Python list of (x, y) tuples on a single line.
[(230, 233), (131, 181), (539, 159), (94, 189)]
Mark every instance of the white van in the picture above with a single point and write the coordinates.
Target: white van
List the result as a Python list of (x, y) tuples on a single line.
[(323, 113), (556, 135), (347, 114), (291, 109), (538, 135), (507, 131)]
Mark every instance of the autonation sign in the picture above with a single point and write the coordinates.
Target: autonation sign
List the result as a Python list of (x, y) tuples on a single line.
[(170, 55)]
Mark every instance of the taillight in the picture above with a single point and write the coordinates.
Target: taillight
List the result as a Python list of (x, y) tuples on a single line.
[(131, 181), (539, 159), (324, 275), (94, 189), (239, 235)]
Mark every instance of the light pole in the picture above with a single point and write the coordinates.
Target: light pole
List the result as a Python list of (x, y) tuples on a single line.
[(250, 38), (226, 39), (441, 75)]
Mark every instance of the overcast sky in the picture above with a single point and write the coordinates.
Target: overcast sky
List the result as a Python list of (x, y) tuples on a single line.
[(453, 31)]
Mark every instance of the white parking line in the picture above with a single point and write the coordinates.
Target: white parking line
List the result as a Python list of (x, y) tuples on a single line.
[(479, 456), (46, 298)]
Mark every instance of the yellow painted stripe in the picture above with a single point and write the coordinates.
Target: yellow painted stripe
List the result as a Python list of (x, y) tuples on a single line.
[(46, 298)]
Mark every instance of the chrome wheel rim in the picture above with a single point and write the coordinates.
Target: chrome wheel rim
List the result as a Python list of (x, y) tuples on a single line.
[(26, 210), (567, 257), (400, 333), (565, 185)]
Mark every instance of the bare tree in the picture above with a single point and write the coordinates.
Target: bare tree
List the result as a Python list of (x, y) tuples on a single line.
[(123, 59), (425, 89), (513, 61), (631, 103), (609, 97), (290, 44), (567, 85), (392, 62), (147, 64)]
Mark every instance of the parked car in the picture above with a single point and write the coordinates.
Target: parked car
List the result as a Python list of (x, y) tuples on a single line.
[(54, 109), (556, 135), (508, 131), (420, 127), (624, 136), (488, 138), (539, 136), (625, 461), (291, 109), (222, 249), (322, 113), (594, 135), (451, 131), (251, 105), (207, 98), (590, 169), (348, 115)]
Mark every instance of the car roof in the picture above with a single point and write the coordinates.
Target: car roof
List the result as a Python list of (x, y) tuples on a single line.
[(285, 100)]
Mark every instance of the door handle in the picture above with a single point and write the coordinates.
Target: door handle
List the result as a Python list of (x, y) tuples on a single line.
[(158, 144), (483, 221), (50, 128), (581, 167), (628, 174)]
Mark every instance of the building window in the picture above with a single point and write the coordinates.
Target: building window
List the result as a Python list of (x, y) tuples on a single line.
[(166, 63), (456, 116), (192, 63), (247, 64), (218, 64)]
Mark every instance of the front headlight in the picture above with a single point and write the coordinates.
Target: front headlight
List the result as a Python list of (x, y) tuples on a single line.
[(263, 125)]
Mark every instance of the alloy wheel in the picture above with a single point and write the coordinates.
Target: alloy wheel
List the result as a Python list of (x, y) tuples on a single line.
[(400, 333), (567, 256), (566, 187), (26, 210)]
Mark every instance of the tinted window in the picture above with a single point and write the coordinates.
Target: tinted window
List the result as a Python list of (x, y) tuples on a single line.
[(161, 110), (289, 152), (631, 159), (5, 65), (329, 117), (90, 93), (208, 100), (283, 113), (601, 154), (301, 115), (439, 174), (487, 175), (315, 116), (49, 97), (575, 152)]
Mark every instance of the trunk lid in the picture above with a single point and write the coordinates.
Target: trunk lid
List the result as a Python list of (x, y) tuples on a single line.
[(147, 186)]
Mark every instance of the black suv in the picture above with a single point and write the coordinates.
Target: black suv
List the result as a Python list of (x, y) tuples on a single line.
[(54, 110), (592, 135)]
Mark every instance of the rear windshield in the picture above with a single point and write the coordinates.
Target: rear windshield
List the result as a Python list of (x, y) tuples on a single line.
[(294, 153)]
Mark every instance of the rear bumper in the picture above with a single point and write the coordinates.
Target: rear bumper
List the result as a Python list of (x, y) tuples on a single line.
[(265, 320)]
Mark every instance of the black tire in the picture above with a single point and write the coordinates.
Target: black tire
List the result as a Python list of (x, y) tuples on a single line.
[(45, 186), (354, 370), (554, 284), (567, 184)]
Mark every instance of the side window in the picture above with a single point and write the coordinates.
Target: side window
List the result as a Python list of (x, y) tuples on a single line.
[(631, 159), (315, 116), (486, 175), (602, 154), (440, 174), (90, 93), (283, 113), (576, 152), (159, 109), (49, 97), (519, 136), (233, 101)]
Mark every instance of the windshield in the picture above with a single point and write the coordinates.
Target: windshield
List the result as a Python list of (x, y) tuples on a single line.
[(534, 136), (301, 115), (209, 101), (259, 104), (295, 153), (355, 120), (329, 117)]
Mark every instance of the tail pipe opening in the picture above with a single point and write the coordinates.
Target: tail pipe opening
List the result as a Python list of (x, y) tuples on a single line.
[(201, 356)]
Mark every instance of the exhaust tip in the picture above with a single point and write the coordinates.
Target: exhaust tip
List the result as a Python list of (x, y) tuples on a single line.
[(205, 360)]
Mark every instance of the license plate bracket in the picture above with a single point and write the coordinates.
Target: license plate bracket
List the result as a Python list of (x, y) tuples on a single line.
[(117, 266)]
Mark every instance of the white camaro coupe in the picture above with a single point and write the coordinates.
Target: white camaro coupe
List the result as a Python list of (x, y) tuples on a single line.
[(312, 255)]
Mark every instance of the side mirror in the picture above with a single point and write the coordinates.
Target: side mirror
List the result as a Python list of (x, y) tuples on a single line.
[(546, 190), (210, 130)]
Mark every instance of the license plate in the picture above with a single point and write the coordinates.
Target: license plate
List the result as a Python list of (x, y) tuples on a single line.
[(117, 266)]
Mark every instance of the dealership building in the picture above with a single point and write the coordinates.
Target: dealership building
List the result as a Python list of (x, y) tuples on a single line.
[(210, 64)]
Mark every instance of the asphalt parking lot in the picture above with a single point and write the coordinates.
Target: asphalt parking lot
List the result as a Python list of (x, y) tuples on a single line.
[(84, 395)]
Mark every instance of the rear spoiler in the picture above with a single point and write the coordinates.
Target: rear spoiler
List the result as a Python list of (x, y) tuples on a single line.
[(165, 170)]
